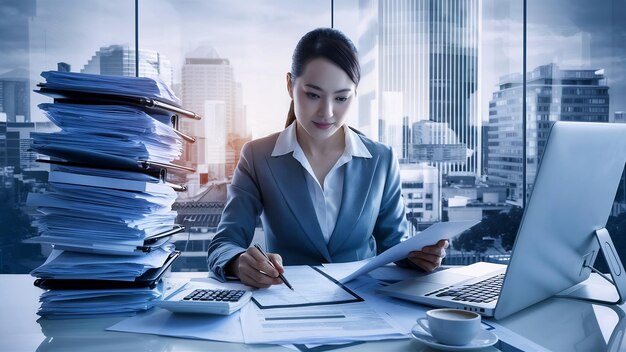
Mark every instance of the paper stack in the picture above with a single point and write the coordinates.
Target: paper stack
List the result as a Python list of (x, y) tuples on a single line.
[(107, 211)]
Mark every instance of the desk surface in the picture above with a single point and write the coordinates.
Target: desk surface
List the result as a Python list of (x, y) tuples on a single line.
[(557, 324)]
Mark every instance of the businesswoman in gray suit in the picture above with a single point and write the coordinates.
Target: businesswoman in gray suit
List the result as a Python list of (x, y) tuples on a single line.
[(325, 192)]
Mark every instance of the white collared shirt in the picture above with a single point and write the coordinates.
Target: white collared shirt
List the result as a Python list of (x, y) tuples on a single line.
[(327, 199)]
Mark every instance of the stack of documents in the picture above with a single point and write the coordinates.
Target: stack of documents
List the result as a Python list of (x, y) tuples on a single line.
[(107, 211), (67, 304), (88, 213), (110, 129)]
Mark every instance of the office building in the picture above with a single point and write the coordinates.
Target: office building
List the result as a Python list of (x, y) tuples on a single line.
[(466, 200), (211, 143), (15, 95), (19, 172), (200, 216), (436, 142), (552, 95), (420, 63), (119, 60), (15, 142), (420, 193), (620, 117), (208, 77)]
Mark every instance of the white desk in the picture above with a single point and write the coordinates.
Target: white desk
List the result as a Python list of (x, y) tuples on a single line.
[(557, 324)]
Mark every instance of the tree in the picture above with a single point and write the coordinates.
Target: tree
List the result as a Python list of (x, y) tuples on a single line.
[(502, 225), (510, 225)]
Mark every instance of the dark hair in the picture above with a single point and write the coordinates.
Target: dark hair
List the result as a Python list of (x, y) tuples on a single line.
[(329, 44)]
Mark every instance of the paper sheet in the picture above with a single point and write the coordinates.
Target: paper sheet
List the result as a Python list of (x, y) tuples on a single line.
[(436, 232), (319, 324), (159, 321), (162, 322), (311, 287)]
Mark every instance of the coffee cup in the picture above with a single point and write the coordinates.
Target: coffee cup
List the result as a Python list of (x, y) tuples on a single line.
[(451, 326)]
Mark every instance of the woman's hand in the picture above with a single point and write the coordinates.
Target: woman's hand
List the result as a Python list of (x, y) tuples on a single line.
[(430, 257), (253, 269)]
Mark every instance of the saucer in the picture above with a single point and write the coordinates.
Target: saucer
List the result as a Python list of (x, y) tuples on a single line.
[(483, 339)]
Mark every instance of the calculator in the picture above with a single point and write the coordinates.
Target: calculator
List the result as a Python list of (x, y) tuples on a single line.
[(205, 301)]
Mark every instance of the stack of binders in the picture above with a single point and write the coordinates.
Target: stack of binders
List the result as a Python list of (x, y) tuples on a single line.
[(107, 212)]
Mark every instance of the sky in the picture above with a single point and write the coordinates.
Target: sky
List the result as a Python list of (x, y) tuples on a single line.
[(258, 38)]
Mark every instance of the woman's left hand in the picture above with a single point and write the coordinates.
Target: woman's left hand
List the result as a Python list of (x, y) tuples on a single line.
[(430, 257)]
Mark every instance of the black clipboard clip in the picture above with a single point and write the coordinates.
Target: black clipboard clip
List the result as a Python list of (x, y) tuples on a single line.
[(153, 239)]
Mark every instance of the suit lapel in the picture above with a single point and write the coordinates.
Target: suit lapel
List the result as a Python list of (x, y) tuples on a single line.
[(290, 178), (356, 187)]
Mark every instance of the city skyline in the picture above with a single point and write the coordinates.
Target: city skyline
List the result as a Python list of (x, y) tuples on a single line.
[(256, 39), (559, 37)]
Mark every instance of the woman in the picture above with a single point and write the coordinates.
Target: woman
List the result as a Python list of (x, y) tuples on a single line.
[(325, 192)]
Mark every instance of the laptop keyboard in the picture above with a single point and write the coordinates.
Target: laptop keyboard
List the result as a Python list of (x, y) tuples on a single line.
[(483, 291)]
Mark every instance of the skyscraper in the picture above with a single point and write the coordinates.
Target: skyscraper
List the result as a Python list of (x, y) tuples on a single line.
[(15, 144), (206, 77), (420, 63), (552, 95), (15, 95), (119, 60)]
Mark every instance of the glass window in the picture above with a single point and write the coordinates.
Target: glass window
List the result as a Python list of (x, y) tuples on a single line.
[(37, 36), (228, 61), (576, 53), (434, 79), (441, 83)]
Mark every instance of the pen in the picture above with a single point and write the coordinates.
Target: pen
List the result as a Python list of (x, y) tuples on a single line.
[(281, 276)]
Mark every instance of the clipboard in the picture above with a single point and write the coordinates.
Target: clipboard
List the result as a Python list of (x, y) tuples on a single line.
[(146, 103), (299, 298), (148, 279)]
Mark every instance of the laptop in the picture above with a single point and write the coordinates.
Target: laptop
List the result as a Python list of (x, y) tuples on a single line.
[(558, 238)]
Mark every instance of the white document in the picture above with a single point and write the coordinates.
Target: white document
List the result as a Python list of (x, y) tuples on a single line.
[(319, 324), (341, 270), (436, 232), (159, 321), (311, 287)]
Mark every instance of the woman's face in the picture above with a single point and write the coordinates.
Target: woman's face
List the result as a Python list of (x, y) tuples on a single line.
[(322, 96)]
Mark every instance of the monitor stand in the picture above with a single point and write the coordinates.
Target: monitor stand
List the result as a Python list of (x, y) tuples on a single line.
[(597, 293)]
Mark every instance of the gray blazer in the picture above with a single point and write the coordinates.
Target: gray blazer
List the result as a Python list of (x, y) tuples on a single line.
[(371, 218)]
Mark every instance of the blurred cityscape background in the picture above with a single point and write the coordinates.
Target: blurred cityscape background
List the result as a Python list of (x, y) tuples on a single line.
[(441, 82)]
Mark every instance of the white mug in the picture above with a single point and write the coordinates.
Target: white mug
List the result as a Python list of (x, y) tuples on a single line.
[(451, 326)]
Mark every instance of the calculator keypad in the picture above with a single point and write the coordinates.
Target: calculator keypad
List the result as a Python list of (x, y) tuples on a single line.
[(215, 295)]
